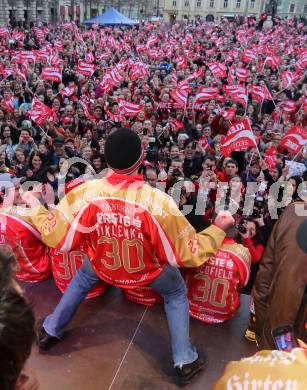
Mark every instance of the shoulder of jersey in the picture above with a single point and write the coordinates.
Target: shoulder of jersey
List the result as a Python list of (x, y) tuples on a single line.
[(240, 251)]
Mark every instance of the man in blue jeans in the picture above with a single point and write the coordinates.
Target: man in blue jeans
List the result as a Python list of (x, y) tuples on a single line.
[(138, 237)]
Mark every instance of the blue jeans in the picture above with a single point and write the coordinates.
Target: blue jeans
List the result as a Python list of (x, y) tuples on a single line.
[(169, 284), (76, 292)]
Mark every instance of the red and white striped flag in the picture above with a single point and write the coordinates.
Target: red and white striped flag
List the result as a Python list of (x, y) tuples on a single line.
[(128, 108), (85, 68), (152, 40), (242, 74), (287, 78), (249, 55), (273, 61), (238, 93), (181, 63), (218, 69), (295, 138), (39, 111), (257, 93), (58, 45), (206, 93), (19, 73), (68, 91), (288, 106), (137, 71), (28, 55), (89, 57), (52, 73), (8, 104), (180, 96), (239, 137)]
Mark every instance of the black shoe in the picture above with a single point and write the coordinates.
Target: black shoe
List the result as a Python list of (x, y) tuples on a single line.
[(45, 341), (188, 371)]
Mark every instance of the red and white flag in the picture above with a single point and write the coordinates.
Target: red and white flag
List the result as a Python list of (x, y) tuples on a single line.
[(249, 55), (28, 55), (85, 68), (218, 69), (228, 114), (295, 138), (8, 104), (19, 73), (239, 137), (270, 157), (137, 71), (287, 78), (181, 63), (52, 73), (39, 111), (288, 106), (180, 96), (152, 40), (128, 108), (257, 93), (272, 60), (206, 93), (242, 74), (237, 93), (89, 57), (68, 91)]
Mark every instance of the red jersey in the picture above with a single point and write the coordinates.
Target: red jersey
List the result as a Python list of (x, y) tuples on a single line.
[(64, 267), (143, 295), (132, 229), (214, 288), (17, 235)]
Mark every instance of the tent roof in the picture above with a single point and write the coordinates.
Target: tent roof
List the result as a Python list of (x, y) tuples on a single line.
[(111, 18)]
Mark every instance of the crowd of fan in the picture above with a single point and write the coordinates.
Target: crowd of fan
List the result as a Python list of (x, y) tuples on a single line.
[(181, 140)]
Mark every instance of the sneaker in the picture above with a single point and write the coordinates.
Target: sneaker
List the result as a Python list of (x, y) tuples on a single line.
[(188, 371), (45, 341)]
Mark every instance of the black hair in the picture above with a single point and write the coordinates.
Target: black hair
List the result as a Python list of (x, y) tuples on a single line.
[(17, 322), (16, 336)]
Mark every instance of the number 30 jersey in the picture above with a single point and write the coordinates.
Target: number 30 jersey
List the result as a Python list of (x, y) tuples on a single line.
[(214, 288), (64, 267), (133, 230)]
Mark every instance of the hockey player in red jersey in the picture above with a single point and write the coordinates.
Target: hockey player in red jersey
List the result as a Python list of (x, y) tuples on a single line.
[(214, 287), (18, 235), (138, 237)]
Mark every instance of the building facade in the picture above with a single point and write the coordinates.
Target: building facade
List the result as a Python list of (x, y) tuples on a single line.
[(290, 8), (21, 10), (210, 9)]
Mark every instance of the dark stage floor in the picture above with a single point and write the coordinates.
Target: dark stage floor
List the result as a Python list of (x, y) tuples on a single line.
[(115, 344)]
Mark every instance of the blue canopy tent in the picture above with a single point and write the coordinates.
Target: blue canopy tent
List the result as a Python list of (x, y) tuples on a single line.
[(111, 18)]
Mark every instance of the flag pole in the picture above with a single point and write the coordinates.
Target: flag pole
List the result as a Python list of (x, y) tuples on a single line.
[(294, 158)]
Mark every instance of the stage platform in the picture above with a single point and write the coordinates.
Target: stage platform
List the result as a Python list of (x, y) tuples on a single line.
[(113, 344)]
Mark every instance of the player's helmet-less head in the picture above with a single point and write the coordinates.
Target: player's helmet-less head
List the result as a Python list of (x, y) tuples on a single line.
[(123, 151)]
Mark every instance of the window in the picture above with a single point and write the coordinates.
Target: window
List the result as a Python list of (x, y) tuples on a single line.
[(252, 4), (305, 9), (198, 3), (186, 3), (211, 4), (278, 3), (225, 3), (292, 8), (174, 3), (238, 4)]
